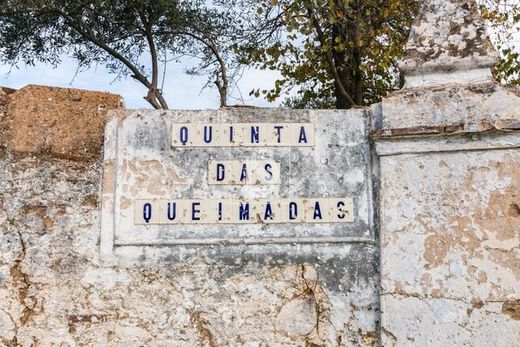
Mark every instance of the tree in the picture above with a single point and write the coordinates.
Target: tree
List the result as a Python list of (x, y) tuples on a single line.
[(211, 35), (344, 53), (330, 53), (503, 17), (339, 53), (129, 37)]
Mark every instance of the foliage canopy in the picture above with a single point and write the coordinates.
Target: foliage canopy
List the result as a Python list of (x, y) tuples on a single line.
[(330, 53), (129, 37), (338, 53)]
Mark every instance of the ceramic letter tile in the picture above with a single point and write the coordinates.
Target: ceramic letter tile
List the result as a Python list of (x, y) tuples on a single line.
[(279, 132), (293, 211), (341, 210), (298, 137), (146, 212), (183, 135)]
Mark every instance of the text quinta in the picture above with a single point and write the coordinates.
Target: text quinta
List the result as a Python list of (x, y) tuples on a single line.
[(242, 134)]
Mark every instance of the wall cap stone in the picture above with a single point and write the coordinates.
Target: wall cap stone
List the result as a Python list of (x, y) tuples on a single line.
[(63, 122)]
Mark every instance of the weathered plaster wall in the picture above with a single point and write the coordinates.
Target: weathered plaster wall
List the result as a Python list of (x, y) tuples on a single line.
[(474, 108), (55, 289), (449, 151), (140, 163), (450, 248)]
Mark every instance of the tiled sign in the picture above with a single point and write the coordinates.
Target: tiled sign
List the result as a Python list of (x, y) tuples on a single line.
[(242, 172), (234, 177), (243, 134)]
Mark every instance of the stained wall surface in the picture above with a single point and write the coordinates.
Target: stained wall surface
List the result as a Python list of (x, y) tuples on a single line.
[(57, 288), (449, 258), (449, 157), (450, 247)]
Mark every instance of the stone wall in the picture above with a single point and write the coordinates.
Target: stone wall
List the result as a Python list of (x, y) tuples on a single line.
[(450, 247), (432, 260), (58, 289), (61, 122), (449, 154)]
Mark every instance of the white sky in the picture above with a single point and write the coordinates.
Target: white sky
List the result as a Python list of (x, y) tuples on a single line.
[(181, 91)]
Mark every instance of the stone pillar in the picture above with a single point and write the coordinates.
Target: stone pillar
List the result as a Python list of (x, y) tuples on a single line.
[(448, 147)]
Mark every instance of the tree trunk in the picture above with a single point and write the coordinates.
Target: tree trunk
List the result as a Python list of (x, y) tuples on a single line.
[(348, 65), (345, 76), (222, 91), (357, 90), (341, 60)]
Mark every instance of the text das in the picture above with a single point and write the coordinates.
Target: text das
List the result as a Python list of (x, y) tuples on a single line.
[(243, 172)]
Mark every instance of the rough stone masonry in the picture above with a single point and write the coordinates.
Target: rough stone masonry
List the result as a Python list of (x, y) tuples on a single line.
[(428, 256)]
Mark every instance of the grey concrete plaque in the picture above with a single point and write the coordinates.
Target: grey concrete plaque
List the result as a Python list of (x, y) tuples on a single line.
[(146, 166)]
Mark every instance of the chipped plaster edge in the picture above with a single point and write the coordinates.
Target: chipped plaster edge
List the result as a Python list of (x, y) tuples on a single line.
[(459, 142), (108, 184), (429, 80)]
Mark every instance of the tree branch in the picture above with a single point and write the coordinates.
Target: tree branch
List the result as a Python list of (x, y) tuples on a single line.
[(154, 97), (330, 58), (84, 30), (222, 87)]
